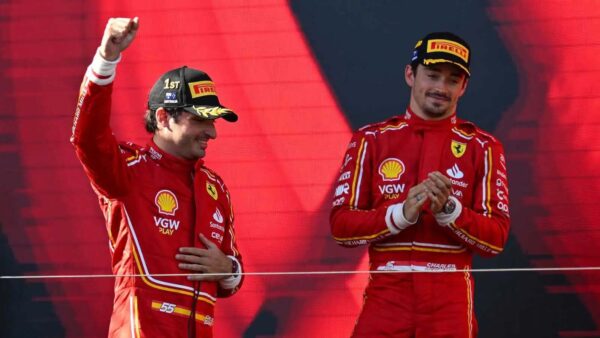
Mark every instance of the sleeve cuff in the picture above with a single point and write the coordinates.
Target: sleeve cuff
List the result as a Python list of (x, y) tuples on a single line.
[(395, 220), (102, 71), (233, 281), (444, 219)]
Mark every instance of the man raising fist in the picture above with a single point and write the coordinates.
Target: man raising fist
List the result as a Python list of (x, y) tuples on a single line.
[(165, 212)]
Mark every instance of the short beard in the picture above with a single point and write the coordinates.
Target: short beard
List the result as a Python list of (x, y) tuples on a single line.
[(435, 111)]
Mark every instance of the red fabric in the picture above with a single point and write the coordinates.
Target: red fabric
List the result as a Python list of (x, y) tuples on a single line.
[(422, 305), (368, 185), (153, 204)]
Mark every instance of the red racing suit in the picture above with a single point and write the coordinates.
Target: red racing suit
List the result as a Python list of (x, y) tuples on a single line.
[(382, 162), (153, 204)]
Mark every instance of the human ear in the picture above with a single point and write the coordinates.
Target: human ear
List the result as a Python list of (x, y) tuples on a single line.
[(409, 75), (162, 118)]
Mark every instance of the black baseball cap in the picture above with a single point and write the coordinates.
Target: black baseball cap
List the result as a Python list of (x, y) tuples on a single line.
[(191, 90), (442, 47)]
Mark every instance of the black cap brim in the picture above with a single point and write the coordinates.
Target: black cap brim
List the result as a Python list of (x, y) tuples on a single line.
[(427, 62), (212, 113)]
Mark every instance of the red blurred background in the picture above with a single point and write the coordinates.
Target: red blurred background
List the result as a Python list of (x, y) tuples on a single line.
[(299, 91)]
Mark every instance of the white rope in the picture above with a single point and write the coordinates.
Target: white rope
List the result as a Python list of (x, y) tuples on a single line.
[(305, 273)]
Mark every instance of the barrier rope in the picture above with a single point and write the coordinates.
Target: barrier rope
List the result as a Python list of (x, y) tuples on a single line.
[(305, 273)]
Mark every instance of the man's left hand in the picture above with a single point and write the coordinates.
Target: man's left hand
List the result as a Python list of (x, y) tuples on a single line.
[(439, 188), (209, 260)]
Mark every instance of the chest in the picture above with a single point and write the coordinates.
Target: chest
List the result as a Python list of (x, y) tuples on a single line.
[(404, 159), (170, 210)]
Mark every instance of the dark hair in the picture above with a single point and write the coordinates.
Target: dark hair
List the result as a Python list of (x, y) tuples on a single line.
[(414, 66), (150, 118)]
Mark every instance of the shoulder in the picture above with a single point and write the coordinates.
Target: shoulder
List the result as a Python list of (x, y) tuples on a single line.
[(393, 123), (471, 132), (132, 153), (213, 178)]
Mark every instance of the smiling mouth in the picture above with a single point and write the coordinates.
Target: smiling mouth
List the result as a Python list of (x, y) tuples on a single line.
[(203, 143), (438, 97)]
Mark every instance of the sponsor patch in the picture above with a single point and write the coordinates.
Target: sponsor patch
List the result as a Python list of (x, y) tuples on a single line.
[(166, 201), (166, 226), (458, 148), (344, 176), (154, 154), (217, 236), (455, 172), (391, 169), (447, 46), (342, 189), (339, 201), (212, 190), (391, 191), (170, 97), (202, 88), (217, 216), (346, 160)]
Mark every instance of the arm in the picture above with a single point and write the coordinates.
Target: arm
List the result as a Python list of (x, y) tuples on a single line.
[(231, 285), (483, 227), (354, 220), (94, 143)]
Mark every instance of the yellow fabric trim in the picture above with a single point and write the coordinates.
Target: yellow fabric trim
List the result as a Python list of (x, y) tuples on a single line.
[(463, 132), (356, 169), (469, 303), (136, 317), (415, 248), (133, 157), (393, 126), (110, 236), (489, 182), (361, 237), (163, 288), (475, 239), (178, 310)]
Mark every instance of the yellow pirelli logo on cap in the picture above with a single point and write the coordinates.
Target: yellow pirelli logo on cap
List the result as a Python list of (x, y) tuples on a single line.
[(202, 88), (450, 47)]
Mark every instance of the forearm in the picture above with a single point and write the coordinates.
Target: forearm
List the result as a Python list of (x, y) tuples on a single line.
[(484, 234), (353, 227)]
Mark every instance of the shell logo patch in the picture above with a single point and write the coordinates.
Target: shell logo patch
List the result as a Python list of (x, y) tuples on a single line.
[(212, 190), (391, 169), (166, 201), (458, 148)]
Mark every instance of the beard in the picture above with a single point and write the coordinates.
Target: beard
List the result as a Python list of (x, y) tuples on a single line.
[(437, 109)]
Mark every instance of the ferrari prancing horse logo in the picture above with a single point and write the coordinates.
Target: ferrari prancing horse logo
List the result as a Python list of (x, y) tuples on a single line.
[(458, 148), (212, 190)]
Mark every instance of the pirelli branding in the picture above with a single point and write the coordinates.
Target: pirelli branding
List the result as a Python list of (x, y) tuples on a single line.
[(202, 88), (447, 46)]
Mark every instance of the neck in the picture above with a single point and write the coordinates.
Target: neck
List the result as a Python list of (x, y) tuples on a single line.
[(164, 145)]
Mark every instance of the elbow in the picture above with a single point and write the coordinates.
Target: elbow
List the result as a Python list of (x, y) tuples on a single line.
[(336, 229), (489, 251)]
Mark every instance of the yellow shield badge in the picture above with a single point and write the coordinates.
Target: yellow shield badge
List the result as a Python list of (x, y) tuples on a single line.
[(458, 148), (212, 190)]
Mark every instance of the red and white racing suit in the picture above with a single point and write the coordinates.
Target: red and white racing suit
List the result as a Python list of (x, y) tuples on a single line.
[(153, 204), (382, 162)]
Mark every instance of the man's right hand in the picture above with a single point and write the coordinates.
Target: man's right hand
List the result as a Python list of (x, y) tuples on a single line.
[(118, 35), (417, 196)]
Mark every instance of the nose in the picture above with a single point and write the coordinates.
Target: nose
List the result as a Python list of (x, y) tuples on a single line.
[(211, 130)]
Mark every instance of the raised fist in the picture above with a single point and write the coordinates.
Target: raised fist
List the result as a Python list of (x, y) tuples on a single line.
[(118, 35)]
